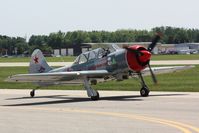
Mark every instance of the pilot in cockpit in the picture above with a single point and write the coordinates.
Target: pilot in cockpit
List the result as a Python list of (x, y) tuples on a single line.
[(106, 52)]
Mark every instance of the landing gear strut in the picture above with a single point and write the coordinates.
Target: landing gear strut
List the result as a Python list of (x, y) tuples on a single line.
[(144, 91), (32, 93), (93, 94)]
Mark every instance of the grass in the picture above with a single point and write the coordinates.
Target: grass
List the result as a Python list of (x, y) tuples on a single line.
[(176, 57), (187, 80), (72, 58)]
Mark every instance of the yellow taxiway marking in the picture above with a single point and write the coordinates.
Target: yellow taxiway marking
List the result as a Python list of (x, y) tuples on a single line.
[(181, 124), (185, 128)]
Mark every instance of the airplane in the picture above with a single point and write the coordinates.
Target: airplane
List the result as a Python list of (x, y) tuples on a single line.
[(113, 63)]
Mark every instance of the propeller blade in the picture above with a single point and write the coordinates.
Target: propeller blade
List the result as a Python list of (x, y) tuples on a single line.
[(154, 42), (152, 74)]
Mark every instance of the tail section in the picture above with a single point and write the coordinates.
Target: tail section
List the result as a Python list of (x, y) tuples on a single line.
[(38, 63)]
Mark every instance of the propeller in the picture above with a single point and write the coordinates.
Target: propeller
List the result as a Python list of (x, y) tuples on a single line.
[(150, 48), (154, 41), (152, 74)]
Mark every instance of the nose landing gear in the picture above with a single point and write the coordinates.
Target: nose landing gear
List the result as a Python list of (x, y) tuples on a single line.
[(144, 91)]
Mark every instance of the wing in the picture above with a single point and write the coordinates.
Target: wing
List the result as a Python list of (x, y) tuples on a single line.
[(168, 69), (57, 76)]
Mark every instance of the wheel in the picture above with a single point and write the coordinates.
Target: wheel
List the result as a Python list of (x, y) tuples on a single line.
[(32, 93), (144, 92), (94, 98), (93, 82)]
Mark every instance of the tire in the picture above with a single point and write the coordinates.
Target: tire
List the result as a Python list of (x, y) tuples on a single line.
[(95, 98), (32, 93), (144, 92)]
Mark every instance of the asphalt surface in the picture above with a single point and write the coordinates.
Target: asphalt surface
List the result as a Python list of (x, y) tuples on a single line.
[(165, 62), (116, 111)]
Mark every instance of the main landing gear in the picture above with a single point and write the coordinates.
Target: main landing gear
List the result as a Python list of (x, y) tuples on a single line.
[(93, 94), (144, 91), (32, 93)]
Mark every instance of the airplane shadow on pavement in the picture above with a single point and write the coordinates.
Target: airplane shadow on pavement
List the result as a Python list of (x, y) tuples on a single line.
[(62, 99)]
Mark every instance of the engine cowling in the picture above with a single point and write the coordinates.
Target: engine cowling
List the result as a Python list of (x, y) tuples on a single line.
[(137, 61)]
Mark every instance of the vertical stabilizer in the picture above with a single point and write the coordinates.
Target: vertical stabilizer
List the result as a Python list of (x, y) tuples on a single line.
[(38, 63)]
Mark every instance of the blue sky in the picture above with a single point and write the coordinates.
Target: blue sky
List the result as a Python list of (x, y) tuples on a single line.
[(27, 17)]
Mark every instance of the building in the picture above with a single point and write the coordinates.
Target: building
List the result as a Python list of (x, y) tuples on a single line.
[(187, 48), (72, 50), (183, 48)]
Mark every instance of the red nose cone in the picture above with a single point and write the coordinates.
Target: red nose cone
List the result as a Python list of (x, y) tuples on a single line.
[(146, 55), (138, 62)]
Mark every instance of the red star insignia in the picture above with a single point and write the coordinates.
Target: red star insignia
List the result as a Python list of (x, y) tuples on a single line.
[(36, 59)]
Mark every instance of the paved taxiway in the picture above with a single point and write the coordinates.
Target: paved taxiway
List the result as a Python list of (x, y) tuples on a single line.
[(118, 112)]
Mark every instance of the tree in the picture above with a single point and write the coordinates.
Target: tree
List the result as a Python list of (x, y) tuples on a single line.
[(21, 47)]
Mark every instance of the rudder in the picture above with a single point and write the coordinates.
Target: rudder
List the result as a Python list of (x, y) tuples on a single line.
[(38, 63)]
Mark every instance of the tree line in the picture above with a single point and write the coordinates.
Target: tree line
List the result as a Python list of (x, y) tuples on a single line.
[(57, 40)]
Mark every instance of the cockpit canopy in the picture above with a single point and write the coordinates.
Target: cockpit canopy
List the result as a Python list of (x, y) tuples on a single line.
[(95, 54), (90, 55)]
